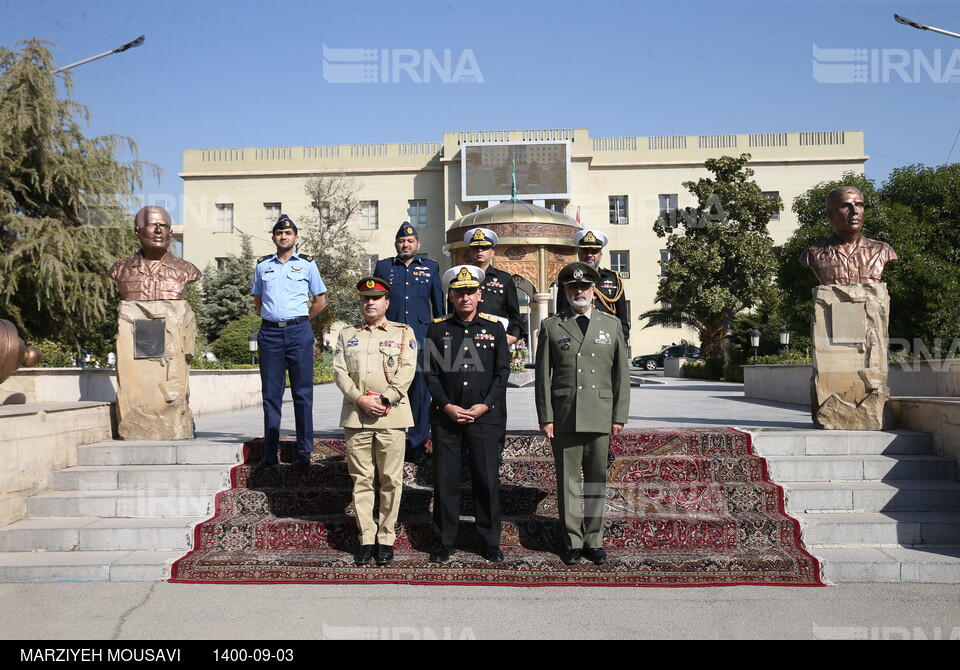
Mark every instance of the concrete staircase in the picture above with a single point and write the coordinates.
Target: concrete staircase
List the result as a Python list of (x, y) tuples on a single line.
[(124, 513), (874, 506)]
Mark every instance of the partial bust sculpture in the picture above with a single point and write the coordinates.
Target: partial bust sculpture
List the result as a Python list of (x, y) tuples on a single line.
[(846, 257), (153, 273)]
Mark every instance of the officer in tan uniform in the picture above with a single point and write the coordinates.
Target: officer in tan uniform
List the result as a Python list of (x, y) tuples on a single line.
[(374, 364)]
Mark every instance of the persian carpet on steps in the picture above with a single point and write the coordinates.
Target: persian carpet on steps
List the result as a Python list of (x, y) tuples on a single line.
[(684, 507)]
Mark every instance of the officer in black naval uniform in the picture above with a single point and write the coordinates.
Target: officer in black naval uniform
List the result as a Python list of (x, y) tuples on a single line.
[(608, 292), (416, 298), (467, 363), (498, 289)]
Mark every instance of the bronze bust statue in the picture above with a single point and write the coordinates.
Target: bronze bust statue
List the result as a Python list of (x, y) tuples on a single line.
[(152, 273), (847, 257)]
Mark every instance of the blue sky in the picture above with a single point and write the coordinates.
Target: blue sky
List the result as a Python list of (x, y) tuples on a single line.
[(216, 73)]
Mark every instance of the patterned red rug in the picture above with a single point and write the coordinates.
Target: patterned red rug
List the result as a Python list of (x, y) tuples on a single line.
[(685, 507)]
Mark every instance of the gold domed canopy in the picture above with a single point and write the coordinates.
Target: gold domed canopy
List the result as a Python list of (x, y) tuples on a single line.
[(514, 211)]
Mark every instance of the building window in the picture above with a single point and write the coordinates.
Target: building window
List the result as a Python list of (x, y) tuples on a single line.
[(417, 211), (271, 212), (773, 194), (620, 263), (369, 263), (618, 210), (664, 257), (369, 215), (225, 218), (556, 206), (673, 324), (668, 204)]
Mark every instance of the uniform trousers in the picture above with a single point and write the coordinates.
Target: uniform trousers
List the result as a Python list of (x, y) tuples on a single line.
[(574, 453), (481, 441), (420, 406), (283, 349), (370, 451)]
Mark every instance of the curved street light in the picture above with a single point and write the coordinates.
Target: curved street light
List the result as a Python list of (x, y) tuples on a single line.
[(920, 26), (129, 45)]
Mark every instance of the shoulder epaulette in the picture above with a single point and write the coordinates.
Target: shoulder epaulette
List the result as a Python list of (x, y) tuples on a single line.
[(306, 257), (489, 317), (443, 318), (263, 258)]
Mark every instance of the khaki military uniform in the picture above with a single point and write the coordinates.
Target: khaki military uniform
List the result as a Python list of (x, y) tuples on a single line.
[(381, 360)]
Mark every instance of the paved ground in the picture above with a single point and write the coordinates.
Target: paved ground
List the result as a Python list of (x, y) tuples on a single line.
[(163, 611)]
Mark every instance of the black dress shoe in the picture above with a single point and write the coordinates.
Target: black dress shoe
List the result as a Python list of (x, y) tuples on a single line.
[(364, 555), (303, 461), (268, 460), (597, 555), (570, 556), (417, 456), (441, 553), (493, 554), (384, 554)]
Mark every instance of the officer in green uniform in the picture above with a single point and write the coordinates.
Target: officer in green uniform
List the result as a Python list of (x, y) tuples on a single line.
[(374, 364), (583, 398)]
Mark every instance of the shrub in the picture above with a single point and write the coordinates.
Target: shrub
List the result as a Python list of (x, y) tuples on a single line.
[(232, 345)]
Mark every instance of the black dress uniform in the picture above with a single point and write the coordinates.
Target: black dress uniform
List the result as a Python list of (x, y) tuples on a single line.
[(466, 363)]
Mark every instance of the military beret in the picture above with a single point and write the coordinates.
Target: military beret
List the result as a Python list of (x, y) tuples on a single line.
[(406, 230), (284, 223)]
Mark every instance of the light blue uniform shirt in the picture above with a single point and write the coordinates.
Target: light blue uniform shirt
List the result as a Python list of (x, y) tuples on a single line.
[(285, 288)]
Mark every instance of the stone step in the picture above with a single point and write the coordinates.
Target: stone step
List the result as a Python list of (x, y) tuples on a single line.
[(131, 503), (774, 442), (874, 496), (861, 467), (195, 452), (99, 534), (121, 477), (934, 565), (86, 566), (913, 529)]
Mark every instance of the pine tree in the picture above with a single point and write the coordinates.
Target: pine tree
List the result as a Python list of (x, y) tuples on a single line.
[(64, 218), (226, 292)]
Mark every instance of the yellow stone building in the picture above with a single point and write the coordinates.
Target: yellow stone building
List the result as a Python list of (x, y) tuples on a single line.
[(619, 185)]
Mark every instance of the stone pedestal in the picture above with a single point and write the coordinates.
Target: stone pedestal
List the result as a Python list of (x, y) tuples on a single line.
[(154, 346), (849, 390)]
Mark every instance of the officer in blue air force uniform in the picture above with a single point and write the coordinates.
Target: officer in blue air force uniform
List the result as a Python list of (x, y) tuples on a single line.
[(283, 284), (416, 298)]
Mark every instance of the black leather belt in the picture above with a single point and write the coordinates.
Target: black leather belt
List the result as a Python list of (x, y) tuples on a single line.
[(284, 324)]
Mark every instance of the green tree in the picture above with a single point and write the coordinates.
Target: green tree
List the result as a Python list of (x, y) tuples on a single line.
[(915, 211), (64, 202), (721, 261), (226, 292), (339, 252)]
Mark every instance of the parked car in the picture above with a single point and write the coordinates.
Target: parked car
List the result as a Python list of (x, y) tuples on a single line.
[(653, 361)]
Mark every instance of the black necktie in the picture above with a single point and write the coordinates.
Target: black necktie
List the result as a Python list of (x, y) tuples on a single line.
[(583, 322)]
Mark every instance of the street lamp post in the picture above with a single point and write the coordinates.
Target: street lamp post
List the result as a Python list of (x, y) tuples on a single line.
[(755, 343), (784, 337), (920, 26), (129, 45)]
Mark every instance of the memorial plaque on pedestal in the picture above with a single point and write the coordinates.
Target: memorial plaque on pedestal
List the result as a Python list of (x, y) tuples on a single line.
[(149, 339)]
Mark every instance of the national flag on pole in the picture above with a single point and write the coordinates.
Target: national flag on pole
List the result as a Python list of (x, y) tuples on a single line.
[(578, 213)]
